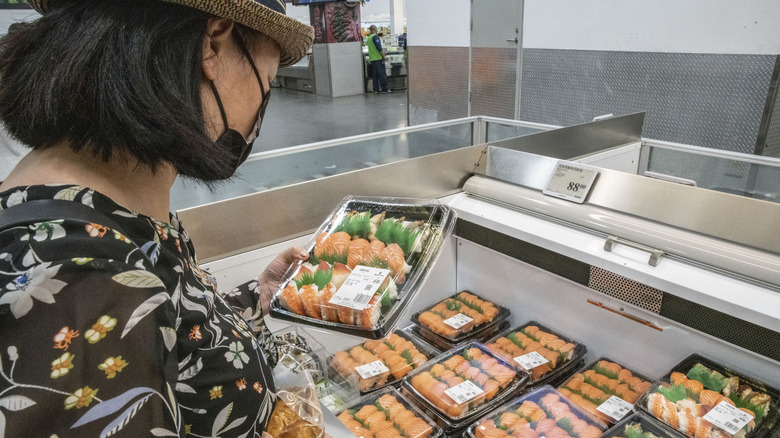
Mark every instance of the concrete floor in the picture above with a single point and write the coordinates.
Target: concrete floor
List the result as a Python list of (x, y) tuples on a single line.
[(296, 117)]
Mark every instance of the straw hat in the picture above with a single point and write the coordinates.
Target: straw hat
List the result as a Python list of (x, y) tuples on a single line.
[(265, 16)]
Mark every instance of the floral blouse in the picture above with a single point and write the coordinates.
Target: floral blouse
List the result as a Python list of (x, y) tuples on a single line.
[(109, 333)]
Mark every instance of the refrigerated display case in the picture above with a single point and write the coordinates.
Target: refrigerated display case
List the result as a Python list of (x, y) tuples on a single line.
[(645, 271)]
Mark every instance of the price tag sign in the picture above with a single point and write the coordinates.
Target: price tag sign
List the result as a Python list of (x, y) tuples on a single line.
[(371, 369), (458, 321), (571, 181), (615, 407), (531, 360), (728, 417), (359, 287), (463, 392)]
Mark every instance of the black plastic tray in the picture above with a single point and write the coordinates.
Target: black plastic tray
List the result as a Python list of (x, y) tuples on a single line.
[(591, 365), (445, 421), (442, 219), (373, 397), (648, 424), (479, 332), (763, 428), (559, 374), (422, 347), (535, 396)]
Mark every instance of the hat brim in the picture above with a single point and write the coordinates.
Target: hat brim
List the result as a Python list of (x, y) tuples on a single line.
[(294, 37)]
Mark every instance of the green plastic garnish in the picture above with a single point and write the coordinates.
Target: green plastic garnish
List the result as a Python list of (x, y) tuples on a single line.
[(673, 393)]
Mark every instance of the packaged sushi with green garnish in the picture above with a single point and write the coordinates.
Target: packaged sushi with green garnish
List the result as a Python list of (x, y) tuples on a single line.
[(641, 425), (387, 414), (543, 412), (704, 399), (606, 389), (365, 264), (460, 317)]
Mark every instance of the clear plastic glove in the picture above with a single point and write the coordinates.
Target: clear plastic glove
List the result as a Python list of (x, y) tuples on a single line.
[(268, 281)]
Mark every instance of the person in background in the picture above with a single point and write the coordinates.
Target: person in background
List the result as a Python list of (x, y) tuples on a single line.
[(376, 56), (108, 325)]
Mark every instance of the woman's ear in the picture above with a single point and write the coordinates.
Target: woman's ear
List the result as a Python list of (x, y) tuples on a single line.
[(219, 32)]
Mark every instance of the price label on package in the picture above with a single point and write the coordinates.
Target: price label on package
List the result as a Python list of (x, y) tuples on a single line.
[(571, 181), (728, 417), (332, 403), (615, 407), (458, 321), (371, 369), (359, 287), (531, 360), (463, 392)]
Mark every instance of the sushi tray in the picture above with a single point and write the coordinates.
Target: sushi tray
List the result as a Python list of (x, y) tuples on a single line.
[(387, 413), (700, 397), (410, 331), (461, 317), (548, 355), (365, 264), (606, 390), (641, 425), (543, 412), (458, 386), (375, 364)]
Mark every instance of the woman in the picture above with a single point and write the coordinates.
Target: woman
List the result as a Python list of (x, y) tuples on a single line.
[(107, 324)]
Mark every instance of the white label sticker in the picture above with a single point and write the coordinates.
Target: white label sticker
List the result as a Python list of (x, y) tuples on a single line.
[(571, 181), (463, 392), (458, 321), (531, 360), (615, 407), (331, 402), (728, 417), (371, 369), (359, 287)]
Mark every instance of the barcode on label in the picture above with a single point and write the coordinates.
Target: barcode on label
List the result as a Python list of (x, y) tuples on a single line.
[(371, 369), (531, 360), (615, 407), (463, 392), (359, 287), (458, 321), (728, 417)]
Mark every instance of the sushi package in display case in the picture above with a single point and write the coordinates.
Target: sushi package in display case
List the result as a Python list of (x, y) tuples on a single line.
[(387, 413), (702, 398), (381, 362), (549, 356), (410, 331), (543, 412), (365, 264), (458, 386), (641, 425), (461, 317), (606, 389)]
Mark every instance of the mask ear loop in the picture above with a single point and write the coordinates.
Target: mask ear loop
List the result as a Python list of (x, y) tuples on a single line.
[(219, 103), (242, 46)]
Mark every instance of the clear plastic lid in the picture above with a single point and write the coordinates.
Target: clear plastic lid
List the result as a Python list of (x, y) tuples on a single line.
[(462, 316), (545, 353), (466, 381), (606, 389), (699, 395), (365, 263), (641, 425), (543, 412), (387, 413), (381, 362)]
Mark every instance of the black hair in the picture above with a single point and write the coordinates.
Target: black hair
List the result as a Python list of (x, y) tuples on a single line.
[(112, 76)]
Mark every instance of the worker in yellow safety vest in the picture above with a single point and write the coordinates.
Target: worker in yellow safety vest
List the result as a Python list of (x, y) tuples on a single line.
[(376, 56)]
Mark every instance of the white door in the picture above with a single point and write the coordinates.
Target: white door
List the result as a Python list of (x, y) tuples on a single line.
[(495, 58)]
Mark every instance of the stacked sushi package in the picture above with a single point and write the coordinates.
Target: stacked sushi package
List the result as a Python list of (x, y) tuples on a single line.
[(548, 355), (606, 390), (701, 398), (365, 263), (387, 414), (543, 412), (456, 387), (461, 317), (377, 363)]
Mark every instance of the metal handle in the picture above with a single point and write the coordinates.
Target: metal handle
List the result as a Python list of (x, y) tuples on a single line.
[(655, 254), (513, 40)]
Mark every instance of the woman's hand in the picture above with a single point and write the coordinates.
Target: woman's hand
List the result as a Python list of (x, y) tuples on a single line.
[(268, 281)]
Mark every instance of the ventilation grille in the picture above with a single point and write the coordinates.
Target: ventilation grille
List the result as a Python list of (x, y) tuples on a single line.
[(625, 289)]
